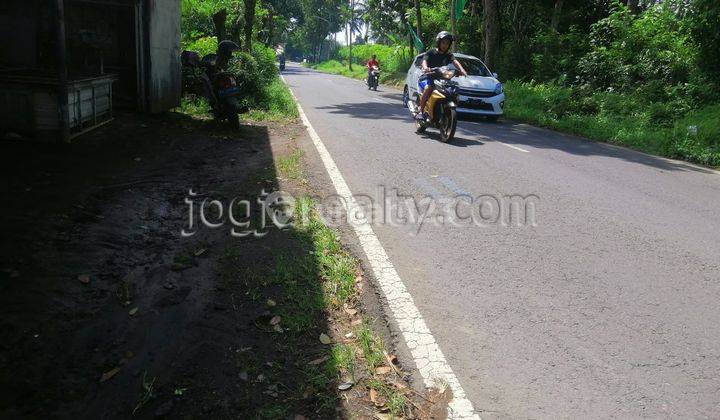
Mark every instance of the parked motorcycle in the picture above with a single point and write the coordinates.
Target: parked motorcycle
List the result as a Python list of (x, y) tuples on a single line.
[(282, 62), (226, 103), (373, 78), (440, 108), (205, 78)]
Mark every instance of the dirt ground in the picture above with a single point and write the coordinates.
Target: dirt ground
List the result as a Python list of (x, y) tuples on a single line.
[(107, 311)]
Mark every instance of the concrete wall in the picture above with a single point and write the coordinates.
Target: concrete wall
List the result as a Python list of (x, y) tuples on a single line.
[(163, 41)]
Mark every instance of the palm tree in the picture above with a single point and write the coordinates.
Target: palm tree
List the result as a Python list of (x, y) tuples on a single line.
[(356, 17)]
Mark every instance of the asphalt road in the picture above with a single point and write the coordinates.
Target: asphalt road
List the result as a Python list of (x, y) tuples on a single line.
[(607, 307)]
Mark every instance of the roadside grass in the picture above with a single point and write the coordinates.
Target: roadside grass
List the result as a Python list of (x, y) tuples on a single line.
[(627, 120), (194, 106), (289, 166), (372, 346), (358, 72), (276, 105), (310, 290)]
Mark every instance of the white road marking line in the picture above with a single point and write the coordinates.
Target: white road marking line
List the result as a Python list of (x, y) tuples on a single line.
[(428, 357), (513, 147)]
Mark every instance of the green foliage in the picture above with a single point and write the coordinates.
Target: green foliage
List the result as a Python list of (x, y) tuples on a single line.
[(196, 17), (203, 46), (255, 72), (195, 106), (358, 72), (629, 120), (628, 52), (392, 58), (703, 23)]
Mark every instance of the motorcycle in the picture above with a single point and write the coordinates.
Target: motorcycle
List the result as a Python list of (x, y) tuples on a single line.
[(226, 103), (373, 78), (219, 88), (440, 108)]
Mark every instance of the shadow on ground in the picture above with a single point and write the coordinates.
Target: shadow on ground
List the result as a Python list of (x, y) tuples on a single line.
[(520, 134), (161, 325)]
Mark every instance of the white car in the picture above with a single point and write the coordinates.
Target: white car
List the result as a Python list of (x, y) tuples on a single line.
[(480, 93)]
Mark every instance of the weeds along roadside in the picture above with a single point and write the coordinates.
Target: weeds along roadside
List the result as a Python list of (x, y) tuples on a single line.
[(359, 358)]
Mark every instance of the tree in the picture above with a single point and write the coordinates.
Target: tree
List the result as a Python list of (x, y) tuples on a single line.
[(418, 18), (633, 5), (492, 28), (249, 13), (219, 19), (557, 10)]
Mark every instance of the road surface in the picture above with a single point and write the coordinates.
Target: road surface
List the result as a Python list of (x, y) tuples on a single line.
[(604, 302)]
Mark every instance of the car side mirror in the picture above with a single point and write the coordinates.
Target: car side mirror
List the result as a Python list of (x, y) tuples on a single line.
[(495, 75)]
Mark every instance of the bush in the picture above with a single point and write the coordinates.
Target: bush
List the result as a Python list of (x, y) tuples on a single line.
[(254, 72), (393, 59), (650, 54), (627, 119), (203, 46)]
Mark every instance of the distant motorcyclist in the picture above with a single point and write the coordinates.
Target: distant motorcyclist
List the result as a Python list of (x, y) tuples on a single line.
[(437, 57), (370, 64)]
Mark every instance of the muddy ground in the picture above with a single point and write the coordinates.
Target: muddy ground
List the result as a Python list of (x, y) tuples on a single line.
[(107, 311)]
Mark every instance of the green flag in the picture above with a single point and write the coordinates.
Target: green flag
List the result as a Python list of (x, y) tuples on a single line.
[(416, 40), (459, 7)]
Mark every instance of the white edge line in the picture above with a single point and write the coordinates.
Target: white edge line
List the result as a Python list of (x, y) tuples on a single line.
[(430, 361), (514, 147)]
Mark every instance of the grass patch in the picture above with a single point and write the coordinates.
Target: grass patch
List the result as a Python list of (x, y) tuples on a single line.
[(343, 359), (663, 129), (289, 166), (275, 104), (358, 72), (371, 345), (195, 106)]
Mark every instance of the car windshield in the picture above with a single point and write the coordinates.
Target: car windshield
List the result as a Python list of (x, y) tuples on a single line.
[(474, 67)]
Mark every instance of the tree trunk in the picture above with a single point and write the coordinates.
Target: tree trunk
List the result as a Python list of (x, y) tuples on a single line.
[(492, 35), (249, 23), (350, 33), (453, 22), (555, 21), (219, 23), (418, 19), (633, 6)]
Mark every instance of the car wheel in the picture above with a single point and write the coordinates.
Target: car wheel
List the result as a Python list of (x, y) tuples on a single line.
[(493, 118)]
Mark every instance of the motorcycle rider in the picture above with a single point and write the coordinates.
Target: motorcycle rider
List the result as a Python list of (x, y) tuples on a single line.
[(437, 57), (370, 64)]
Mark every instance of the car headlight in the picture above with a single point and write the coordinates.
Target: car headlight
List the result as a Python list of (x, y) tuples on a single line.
[(498, 88)]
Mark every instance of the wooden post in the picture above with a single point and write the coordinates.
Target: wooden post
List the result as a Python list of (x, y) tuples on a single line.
[(62, 92)]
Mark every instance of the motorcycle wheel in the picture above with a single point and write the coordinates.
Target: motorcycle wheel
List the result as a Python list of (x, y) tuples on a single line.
[(420, 127), (447, 125)]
